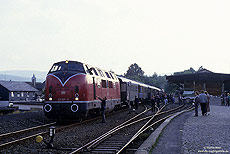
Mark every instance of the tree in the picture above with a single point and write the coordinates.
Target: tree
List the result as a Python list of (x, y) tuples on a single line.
[(134, 72), (188, 71)]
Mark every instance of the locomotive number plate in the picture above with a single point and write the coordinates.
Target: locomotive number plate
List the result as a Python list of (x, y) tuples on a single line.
[(63, 92)]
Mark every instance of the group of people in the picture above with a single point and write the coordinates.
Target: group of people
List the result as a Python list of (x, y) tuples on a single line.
[(155, 99), (204, 100), (225, 99)]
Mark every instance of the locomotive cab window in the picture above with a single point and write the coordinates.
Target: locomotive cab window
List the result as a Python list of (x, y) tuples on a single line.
[(70, 66)]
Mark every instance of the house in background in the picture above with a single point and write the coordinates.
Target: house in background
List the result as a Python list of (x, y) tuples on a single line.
[(15, 91)]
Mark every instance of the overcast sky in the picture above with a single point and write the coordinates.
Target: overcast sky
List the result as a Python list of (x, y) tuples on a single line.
[(162, 36)]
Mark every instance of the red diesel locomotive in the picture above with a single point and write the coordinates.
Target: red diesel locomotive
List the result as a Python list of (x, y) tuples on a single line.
[(72, 88)]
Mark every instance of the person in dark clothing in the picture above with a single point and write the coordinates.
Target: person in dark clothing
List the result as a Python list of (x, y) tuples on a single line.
[(103, 104), (158, 100), (136, 102), (197, 102), (180, 99), (228, 99), (152, 101), (203, 100)]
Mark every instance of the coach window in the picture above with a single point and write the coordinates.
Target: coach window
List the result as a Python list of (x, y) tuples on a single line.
[(12, 94), (18, 94), (22, 94), (104, 84)]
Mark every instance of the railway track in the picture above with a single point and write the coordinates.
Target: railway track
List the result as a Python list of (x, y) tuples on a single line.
[(22, 135), (16, 137), (117, 139)]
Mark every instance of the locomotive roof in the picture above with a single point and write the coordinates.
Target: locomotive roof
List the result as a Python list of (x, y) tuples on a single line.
[(82, 63)]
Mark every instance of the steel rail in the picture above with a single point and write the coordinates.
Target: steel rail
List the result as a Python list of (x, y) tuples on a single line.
[(109, 132), (21, 139), (101, 138), (41, 133), (172, 109), (95, 142), (27, 129), (140, 132), (89, 145)]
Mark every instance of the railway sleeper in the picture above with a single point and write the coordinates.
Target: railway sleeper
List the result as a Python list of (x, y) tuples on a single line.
[(105, 150)]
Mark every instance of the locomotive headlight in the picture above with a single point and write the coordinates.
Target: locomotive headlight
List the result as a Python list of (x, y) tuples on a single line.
[(76, 96), (50, 97)]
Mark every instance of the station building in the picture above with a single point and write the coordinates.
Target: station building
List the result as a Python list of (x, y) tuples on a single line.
[(15, 91), (214, 83)]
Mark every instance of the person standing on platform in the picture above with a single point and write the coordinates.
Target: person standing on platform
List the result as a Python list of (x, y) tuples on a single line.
[(136, 102), (228, 99), (208, 103), (152, 101), (197, 102), (166, 100), (223, 99), (103, 104), (180, 99), (158, 100), (203, 100)]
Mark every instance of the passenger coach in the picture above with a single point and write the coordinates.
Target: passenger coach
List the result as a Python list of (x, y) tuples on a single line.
[(130, 89)]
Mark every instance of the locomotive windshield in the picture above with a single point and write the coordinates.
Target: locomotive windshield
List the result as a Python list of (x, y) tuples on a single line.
[(70, 66)]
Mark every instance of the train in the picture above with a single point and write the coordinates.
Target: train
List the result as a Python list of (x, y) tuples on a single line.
[(72, 89)]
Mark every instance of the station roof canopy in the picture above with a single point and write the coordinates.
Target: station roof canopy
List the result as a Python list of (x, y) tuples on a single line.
[(17, 86), (203, 75)]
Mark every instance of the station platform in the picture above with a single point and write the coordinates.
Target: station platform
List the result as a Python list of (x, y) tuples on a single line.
[(187, 134)]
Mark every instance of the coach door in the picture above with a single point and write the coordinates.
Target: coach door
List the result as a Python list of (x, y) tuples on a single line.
[(94, 88)]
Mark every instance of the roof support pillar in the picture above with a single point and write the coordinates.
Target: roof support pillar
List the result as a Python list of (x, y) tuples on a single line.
[(194, 86), (222, 88), (204, 86)]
